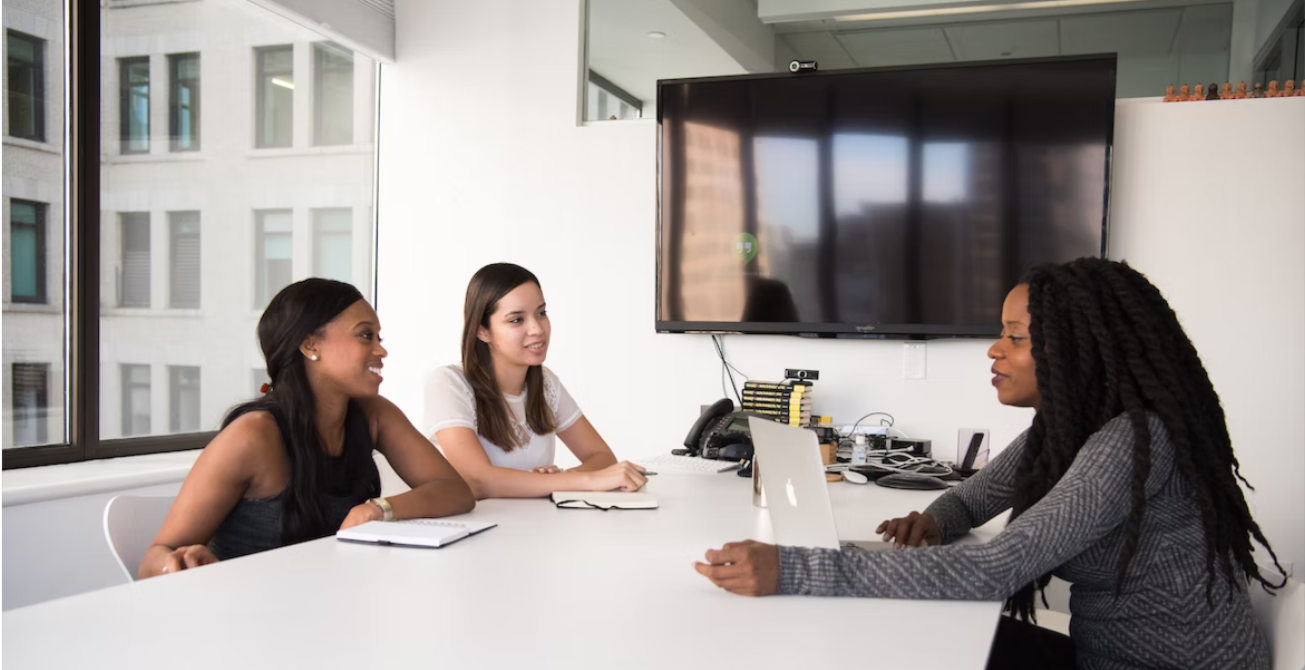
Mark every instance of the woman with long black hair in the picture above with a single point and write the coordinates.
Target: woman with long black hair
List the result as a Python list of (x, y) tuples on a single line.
[(1125, 485), (296, 464)]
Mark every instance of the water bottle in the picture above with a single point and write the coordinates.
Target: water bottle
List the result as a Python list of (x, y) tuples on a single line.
[(859, 449)]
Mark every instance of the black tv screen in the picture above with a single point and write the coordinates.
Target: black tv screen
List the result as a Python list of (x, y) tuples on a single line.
[(900, 202)]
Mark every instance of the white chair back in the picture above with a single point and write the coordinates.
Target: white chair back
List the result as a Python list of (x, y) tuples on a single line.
[(130, 524), (1282, 620)]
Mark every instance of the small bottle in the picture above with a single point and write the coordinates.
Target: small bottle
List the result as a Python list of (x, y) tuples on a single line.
[(859, 449)]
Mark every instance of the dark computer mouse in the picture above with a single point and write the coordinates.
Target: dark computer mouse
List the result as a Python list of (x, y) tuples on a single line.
[(903, 480)]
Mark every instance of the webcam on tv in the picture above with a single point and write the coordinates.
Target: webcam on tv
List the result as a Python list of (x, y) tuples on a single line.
[(803, 66)]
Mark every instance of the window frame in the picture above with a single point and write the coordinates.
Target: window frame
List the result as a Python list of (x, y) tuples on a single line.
[(174, 102), (38, 74), (176, 384), (175, 220), (125, 138), (83, 141), (43, 406), (323, 52), (42, 296), (260, 95)]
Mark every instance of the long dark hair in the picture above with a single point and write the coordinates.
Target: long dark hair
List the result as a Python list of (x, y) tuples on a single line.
[(493, 420), (1106, 343), (298, 311)]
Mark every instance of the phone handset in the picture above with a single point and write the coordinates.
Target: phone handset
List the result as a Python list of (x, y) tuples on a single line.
[(716, 411)]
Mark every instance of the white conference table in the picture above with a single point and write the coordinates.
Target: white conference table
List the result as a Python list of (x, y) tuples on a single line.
[(547, 588)]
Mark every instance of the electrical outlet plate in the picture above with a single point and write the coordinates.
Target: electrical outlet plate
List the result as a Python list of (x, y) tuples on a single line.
[(914, 361)]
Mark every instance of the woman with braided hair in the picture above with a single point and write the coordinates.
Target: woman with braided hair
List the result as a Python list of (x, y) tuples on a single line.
[(1125, 485)]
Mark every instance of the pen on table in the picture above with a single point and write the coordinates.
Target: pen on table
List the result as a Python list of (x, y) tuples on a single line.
[(648, 473)]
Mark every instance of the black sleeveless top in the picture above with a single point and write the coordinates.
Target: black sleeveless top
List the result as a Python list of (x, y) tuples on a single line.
[(347, 480)]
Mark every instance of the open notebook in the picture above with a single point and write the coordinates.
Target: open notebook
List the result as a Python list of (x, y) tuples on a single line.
[(604, 500), (413, 532)]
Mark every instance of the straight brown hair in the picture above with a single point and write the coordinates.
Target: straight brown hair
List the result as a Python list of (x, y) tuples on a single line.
[(493, 420)]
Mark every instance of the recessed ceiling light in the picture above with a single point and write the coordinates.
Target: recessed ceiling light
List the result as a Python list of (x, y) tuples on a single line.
[(656, 35)]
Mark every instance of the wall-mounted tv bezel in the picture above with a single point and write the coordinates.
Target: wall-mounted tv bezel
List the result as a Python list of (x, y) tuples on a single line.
[(876, 331)]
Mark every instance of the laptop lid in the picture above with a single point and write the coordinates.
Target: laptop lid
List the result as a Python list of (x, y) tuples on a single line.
[(793, 478)]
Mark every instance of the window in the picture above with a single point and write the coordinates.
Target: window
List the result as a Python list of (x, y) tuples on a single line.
[(134, 104), (27, 251), (31, 402), (135, 262), (183, 395), (183, 267), (332, 94), (135, 399), (276, 96), (275, 247), (26, 78), (194, 228), (183, 101), (606, 101), (332, 244)]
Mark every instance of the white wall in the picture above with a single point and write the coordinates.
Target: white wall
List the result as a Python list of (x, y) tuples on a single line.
[(1223, 236), (467, 184)]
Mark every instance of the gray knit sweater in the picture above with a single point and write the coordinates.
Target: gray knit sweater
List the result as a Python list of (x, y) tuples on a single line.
[(1160, 619)]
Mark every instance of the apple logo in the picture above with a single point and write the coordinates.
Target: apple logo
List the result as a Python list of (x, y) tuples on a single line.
[(792, 496)]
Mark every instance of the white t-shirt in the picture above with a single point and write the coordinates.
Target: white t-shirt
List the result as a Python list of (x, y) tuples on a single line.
[(451, 403)]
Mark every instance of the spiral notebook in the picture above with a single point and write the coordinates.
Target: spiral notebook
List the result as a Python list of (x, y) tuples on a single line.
[(413, 532)]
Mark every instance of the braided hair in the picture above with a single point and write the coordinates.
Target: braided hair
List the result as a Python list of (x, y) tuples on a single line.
[(1105, 344)]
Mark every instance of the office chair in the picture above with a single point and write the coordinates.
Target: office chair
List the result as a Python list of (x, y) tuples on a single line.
[(1281, 617), (130, 524)]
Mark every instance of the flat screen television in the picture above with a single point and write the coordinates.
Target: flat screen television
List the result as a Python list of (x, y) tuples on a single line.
[(877, 203)]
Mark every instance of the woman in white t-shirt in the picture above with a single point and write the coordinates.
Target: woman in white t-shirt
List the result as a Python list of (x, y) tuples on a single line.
[(497, 416)]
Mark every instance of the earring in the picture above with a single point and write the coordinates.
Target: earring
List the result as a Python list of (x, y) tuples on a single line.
[(313, 357)]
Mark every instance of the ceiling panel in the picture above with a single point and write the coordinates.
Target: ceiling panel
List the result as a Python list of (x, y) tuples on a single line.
[(905, 46), (819, 47), (1143, 33), (1005, 39)]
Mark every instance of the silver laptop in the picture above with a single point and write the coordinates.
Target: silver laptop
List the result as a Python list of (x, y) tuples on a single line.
[(797, 494)]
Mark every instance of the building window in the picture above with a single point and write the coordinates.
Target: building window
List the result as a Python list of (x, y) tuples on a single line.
[(31, 402), (276, 96), (26, 86), (183, 101), (135, 260), (135, 400), (274, 246), (183, 393), (134, 104), (183, 268), (333, 244), (608, 102), (27, 251), (332, 94)]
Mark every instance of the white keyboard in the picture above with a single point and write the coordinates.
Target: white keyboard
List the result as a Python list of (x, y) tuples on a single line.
[(669, 463)]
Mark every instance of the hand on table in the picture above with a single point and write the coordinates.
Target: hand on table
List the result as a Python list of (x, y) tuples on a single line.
[(185, 558), (625, 476), (912, 530), (747, 568), (547, 470), (361, 514)]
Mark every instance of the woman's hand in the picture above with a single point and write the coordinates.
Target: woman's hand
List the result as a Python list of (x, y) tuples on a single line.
[(361, 514), (913, 530), (625, 476), (547, 470), (185, 558), (748, 568)]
